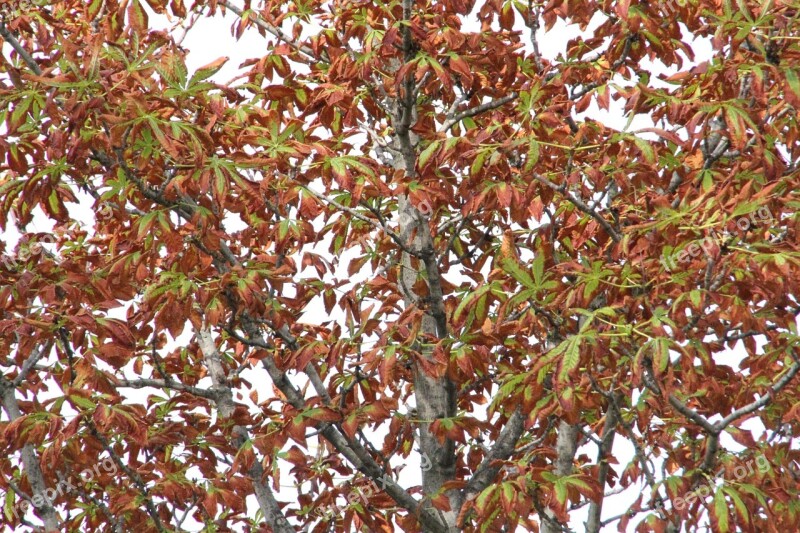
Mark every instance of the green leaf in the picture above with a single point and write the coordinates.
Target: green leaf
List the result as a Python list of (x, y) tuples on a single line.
[(506, 389), (720, 512), (745, 209), (339, 167), (741, 508), (533, 155), (20, 109), (793, 81), (538, 268), (582, 486), (508, 492), (661, 354), (477, 163), (137, 16), (571, 357), (8, 507), (209, 70), (695, 296), (85, 403), (510, 266), (561, 491), (483, 498), (646, 148), (708, 180), (52, 201), (93, 9), (428, 152)]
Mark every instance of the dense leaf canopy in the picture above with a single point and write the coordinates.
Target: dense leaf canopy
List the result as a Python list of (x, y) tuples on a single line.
[(405, 234)]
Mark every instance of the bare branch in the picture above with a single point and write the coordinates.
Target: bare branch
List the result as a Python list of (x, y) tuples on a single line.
[(477, 110), (279, 33), (30, 463), (502, 450), (533, 23), (30, 362), (224, 400), (761, 402), (165, 384), (15, 44), (604, 450)]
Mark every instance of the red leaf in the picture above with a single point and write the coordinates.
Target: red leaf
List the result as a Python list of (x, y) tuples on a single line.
[(137, 17)]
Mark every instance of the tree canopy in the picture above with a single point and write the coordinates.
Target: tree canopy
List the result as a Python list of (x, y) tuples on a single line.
[(406, 271)]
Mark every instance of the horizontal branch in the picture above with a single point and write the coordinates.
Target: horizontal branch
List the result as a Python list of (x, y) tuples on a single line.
[(717, 428), (166, 384), (691, 414), (477, 110)]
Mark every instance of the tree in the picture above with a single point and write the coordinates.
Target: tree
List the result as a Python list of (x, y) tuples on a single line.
[(399, 235)]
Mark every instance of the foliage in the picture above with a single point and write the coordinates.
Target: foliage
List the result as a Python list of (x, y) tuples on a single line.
[(387, 208)]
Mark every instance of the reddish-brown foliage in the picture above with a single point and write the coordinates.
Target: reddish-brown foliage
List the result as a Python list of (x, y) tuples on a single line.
[(387, 208)]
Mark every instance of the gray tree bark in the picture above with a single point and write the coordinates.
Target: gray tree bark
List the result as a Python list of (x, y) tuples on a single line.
[(30, 464)]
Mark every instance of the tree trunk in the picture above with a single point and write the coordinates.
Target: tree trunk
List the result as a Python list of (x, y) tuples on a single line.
[(30, 464)]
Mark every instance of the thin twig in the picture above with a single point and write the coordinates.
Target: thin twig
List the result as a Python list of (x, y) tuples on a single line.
[(279, 33), (580, 204)]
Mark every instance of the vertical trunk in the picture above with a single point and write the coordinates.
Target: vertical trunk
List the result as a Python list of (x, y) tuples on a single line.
[(435, 396), (566, 446), (30, 463), (225, 406), (606, 445)]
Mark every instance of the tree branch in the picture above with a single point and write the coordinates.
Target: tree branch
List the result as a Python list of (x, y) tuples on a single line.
[(503, 449), (165, 384), (132, 475), (30, 463), (15, 44), (30, 362), (761, 402), (224, 400), (279, 33), (580, 204), (477, 110)]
